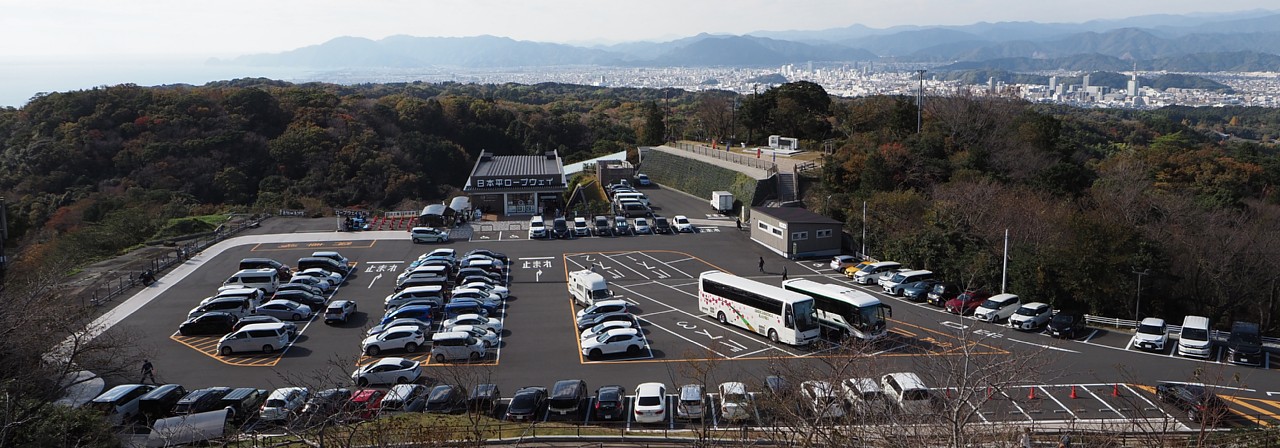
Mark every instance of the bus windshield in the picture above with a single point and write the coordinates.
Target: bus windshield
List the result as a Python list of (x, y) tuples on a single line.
[(806, 317), (868, 318)]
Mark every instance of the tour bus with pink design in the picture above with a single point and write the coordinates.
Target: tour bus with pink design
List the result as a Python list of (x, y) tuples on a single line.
[(781, 315)]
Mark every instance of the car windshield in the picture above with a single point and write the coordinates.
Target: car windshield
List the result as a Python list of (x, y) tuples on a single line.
[(276, 403), (1247, 338), (992, 304), (603, 337), (1195, 333), (660, 221), (521, 402), (735, 398), (681, 221), (440, 393), (915, 394), (1150, 329), (1027, 311), (610, 395), (1063, 319)]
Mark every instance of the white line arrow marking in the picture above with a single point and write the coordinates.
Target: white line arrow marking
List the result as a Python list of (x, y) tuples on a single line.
[(538, 276), (375, 278)]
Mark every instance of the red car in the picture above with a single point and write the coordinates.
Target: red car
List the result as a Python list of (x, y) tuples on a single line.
[(966, 302), (365, 403)]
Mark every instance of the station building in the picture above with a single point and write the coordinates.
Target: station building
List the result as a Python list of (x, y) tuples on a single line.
[(795, 232), (517, 185)]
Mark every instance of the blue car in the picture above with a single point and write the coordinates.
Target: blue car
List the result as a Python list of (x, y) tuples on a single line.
[(420, 312)]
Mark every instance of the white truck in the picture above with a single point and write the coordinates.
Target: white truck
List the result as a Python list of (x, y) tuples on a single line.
[(722, 201), (586, 287)]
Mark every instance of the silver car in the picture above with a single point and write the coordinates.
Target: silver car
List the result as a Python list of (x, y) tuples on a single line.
[(284, 310)]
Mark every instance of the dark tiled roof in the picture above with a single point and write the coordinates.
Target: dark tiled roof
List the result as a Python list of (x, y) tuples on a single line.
[(794, 214), (517, 165)]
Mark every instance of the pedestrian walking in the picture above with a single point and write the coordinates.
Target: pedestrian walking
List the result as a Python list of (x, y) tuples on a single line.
[(739, 222), (1065, 442), (762, 265), (784, 273), (148, 371), (1024, 441)]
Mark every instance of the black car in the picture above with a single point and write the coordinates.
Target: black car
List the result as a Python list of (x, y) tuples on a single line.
[(486, 252), (1245, 344), (527, 403), (291, 327), (610, 402), (621, 226), (200, 400), (159, 402), (243, 402), (216, 322), (316, 302), (326, 403), (1065, 324), (1201, 405), (918, 291), (560, 229), (661, 225), (300, 287), (602, 226), (446, 399), (478, 272), (484, 398), (567, 397), (942, 292)]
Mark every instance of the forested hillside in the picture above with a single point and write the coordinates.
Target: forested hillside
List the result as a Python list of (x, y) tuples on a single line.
[(1088, 196)]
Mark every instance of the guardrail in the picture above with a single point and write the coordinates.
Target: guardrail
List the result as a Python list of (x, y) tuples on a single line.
[(102, 292), (753, 162), (1220, 336)]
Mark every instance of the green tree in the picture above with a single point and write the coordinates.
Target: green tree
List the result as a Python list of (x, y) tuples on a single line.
[(654, 130)]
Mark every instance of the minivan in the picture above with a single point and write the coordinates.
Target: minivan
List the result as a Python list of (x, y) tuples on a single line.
[(638, 197), (242, 402), (1245, 344), (566, 396), (235, 306), (898, 281), (1193, 339), (266, 338), (200, 400), (159, 402), (268, 280), (325, 263), (266, 263), (456, 345), (120, 404), (429, 292), (869, 274), (633, 209)]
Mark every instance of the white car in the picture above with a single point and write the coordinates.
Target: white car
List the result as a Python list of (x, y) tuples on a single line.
[(1031, 316), (884, 277), (641, 227), (651, 403), (283, 403), (580, 227), (823, 400), (284, 310), (599, 329), (606, 306), (997, 308), (484, 334), (444, 252), (333, 278), (472, 319), (537, 228), (865, 397), (1152, 335), (839, 262), (387, 371), (735, 402), (405, 337), (908, 392), (501, 291), (682, 224), (401, 322), (617, 340)]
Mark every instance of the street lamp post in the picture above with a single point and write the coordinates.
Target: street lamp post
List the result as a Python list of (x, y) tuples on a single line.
[(1137, 300), (920, 102)]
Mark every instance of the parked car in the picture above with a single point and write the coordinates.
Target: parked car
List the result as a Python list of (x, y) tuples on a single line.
[(326, 403), (484, 398), (650, 403), (158, 403), (661, 225), (606, 306), (283, 404), (496, 255), (1201, 405), (941, 293), (200, 400), (339, 311), (641, 227), (1152, 335), (566, 397), (315, 302), (593, 332), (908, 391), (610, 402), (560, 229), (871, 273), (1244, 346), (918, 291), (823, 400), (446, 399), (852, 271), (217, 322), (302, 286), (404, 398), (334, 278), (614, 341), (1194, 339), (235, 306), (1031, 316), (735, 402), (840, 262), (866, 397), (602, 226), (621, 226), (1065, 324), (591, 320), (242, 403), (682, 224), (997, 308), (428, 235), (474, 320), (284, 310), (408, 338), (501, 291), (289, 327), (322, 284), (365, 404), (424, 326), (967, 302), (690, 402), (282, 270), (537, 228), (387, 371), (526, 404), (119, 405), (580, 227), (420, 312)]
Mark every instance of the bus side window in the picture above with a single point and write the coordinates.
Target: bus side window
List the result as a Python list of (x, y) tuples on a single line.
[(787, 319)]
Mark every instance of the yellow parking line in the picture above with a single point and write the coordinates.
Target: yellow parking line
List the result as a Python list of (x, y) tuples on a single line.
[(1251, 407), (208, 346)]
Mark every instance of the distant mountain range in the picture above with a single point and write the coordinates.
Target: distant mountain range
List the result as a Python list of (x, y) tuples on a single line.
[(1239, 41)]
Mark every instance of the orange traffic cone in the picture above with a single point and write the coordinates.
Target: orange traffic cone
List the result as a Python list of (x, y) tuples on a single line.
[(1032, 394), (1115, 390), (1073, 392)]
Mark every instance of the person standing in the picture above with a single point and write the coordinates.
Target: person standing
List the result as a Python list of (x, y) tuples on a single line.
[(1024, 441), (784, 273), (761, 265), (148, 371)]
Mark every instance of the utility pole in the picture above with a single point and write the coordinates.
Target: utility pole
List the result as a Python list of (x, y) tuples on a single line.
[(920, 102), (1004, 271), (864, 230), (1137, 300), (4, 235), (733, 122)]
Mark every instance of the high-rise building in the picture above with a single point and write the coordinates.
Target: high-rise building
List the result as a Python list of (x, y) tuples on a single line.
[(1133, 81), (1053, 83), (1086, 83)]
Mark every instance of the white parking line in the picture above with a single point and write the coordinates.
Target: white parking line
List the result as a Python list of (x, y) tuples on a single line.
[(625, 266), (752, 353), (687, 339), (1153, 405), (1104, 402), (682, 259), (686, 274), (655, 313), (1091, 335), (1017, 406), (732, 329), (1055, 400)]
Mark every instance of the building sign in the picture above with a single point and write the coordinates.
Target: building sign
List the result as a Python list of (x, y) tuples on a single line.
[(518, 182)]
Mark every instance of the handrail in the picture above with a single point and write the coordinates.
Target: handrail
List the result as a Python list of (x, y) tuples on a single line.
[(1217, 335)]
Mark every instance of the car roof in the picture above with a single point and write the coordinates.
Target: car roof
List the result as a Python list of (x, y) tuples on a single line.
[(1154, 321), (908, 380), (864, 384), (263, 326), (274, 301), (1035, 305), (622, 331), (650, 388), (388, 361), (1004, 297), (280, 393), (450, 335), (733, 387)]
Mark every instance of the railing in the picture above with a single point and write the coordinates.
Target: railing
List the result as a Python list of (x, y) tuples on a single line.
[(728, 155), (1220, 336), (104, 291), (806, 167)]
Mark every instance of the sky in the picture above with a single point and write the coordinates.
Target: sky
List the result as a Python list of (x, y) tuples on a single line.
[(96, 28)]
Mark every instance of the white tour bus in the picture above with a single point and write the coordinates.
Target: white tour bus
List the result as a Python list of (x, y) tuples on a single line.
[(846, 311), (771, 311)]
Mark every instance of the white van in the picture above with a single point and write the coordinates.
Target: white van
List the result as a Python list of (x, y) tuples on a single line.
[(456, 345), (895, 284), (268, 280), (620, 197), (586, 287), (428, 292), (872, 272), (1194, 339), (266, 338)]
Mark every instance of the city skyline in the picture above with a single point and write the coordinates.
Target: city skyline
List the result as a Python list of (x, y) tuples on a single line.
[(81, 28)]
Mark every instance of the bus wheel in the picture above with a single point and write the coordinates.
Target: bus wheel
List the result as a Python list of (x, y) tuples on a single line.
[(773, 336), (722, 319)]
